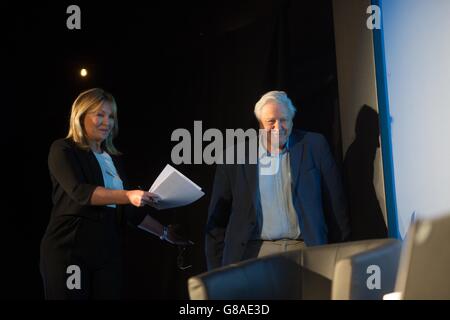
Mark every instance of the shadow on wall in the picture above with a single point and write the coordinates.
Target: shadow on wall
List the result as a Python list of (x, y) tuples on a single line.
[(366, 217)]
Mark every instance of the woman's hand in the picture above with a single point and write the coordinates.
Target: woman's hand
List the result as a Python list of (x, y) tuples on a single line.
[(140, 198)]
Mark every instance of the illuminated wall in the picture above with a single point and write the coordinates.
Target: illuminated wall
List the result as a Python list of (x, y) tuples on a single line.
[(416, 58)]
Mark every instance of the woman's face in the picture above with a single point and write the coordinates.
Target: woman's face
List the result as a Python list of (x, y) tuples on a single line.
[(99, 123)]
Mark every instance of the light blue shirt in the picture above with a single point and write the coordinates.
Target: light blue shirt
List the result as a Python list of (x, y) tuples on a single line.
[(111, 178), (277, 218)]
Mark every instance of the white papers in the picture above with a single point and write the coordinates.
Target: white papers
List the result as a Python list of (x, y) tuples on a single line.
[(174, 189)]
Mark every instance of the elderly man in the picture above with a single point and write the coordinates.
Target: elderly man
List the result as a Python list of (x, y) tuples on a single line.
[(255, 212)]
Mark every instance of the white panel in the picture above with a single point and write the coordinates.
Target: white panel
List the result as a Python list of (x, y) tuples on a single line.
[(417, 51)]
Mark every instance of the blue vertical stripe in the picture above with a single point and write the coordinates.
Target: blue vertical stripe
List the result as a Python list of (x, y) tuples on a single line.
[(385, 127)]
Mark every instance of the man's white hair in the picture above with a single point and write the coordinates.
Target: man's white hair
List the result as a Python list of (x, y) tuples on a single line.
[(279, 97)]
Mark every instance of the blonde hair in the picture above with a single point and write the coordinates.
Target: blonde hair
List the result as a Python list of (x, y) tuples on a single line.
[(87, 101)]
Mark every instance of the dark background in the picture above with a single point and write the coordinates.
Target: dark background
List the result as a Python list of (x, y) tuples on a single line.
[(167, 64)]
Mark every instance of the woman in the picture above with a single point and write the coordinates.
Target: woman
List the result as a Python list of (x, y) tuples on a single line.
[(80, 251)]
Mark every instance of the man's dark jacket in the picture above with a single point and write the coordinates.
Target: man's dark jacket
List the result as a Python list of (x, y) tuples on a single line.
[(232, 210)]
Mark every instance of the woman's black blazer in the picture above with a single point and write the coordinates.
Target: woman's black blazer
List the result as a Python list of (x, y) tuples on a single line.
[(75, 173)]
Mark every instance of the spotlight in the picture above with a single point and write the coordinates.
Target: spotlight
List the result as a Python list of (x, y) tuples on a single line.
[(83, 72)]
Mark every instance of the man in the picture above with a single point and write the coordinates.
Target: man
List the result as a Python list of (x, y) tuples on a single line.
[(255, 212)]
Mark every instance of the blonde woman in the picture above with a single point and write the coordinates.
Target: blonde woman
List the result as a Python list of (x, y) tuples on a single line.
[(80, 251)]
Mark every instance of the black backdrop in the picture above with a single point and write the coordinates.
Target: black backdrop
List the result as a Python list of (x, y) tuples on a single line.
[(167, 64)]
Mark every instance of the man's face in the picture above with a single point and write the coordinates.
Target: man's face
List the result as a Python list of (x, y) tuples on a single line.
[(275, 119)]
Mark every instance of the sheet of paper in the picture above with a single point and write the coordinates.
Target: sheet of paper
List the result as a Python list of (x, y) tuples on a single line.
[(175, 189)]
